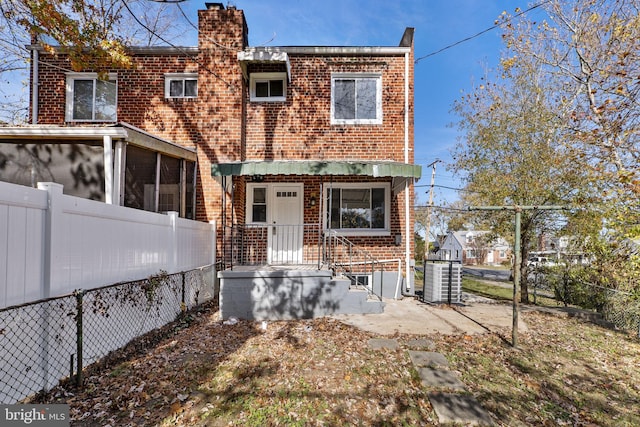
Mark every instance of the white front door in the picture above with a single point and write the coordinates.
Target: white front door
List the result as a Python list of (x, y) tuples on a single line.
[(490, 257), (287, 228)]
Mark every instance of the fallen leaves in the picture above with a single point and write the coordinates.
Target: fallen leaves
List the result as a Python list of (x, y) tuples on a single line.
[(322, 372)]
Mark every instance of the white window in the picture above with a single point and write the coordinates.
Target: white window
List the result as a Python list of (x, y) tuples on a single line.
[(356, 98), (357, 209), (256, 203), (471, 253), (90, 99), (181, 85), (268, 87)]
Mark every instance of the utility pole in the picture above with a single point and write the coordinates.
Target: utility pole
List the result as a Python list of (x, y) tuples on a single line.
[(433, 183), (517, 255)]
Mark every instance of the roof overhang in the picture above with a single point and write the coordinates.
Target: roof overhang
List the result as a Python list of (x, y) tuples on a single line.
[(266, 55), (71, 135), (319, 167)]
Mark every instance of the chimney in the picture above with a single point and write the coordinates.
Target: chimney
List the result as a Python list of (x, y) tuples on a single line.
[(222, 27), (214, 6)]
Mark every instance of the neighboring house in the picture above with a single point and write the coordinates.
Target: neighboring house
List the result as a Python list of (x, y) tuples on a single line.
[(282, 146), (474, 248)]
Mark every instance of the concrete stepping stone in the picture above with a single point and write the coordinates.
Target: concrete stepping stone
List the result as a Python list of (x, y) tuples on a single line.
[(439, 378), (380, 343), (421, 344), (460, 409), (428, 358)]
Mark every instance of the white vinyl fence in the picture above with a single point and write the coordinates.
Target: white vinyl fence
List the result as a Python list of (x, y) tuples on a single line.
[(52, 244)]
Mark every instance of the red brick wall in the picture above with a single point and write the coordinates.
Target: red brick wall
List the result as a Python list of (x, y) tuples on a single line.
[(213, 122), (300, 128), (224, 126)]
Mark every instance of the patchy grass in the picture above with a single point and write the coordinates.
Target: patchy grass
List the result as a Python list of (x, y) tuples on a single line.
[(322, 372), (491, 290), (564, 372)]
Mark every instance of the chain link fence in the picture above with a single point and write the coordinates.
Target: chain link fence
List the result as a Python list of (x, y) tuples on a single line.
[(622, 309), (46, 341)]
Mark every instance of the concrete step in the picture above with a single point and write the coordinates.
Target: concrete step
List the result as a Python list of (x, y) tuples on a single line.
[(284, 294), (357, 301)]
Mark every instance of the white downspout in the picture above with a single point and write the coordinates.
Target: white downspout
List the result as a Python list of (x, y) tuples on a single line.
[(34, 87), (407, 216)]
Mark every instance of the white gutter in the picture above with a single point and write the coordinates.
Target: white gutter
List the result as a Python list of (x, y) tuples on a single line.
[(34, 88), (331, 50), (59, 132), (407, 216)]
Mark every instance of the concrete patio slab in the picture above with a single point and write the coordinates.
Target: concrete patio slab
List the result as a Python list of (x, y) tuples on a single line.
[(459, 409), (410, 316)]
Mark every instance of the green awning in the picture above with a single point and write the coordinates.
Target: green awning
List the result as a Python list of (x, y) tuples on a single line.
[(373, 169)]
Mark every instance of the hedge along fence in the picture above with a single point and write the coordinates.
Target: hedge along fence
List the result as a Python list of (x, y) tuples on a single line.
[(44, 342), (622, 309)]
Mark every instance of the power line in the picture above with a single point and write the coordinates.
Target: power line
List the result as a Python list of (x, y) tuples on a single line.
[(194, 25), (184, 52), (443, 208), (481, 32), (440, 186), (451, 188)]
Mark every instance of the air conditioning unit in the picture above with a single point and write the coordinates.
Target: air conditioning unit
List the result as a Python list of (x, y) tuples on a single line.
[(438, 277)]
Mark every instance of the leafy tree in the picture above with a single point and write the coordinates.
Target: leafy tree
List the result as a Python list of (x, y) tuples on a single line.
[(589, 51), (420, 247), (512, 154), (559, 123), (94, 34)]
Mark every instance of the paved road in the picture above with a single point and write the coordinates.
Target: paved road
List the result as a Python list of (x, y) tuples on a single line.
[(487, 273), (482, 273)]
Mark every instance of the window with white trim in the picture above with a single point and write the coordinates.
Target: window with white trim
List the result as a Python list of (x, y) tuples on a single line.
[(257, 203), (358, 209), (90, 99), (181, 85), (356, 98), (268, 87)]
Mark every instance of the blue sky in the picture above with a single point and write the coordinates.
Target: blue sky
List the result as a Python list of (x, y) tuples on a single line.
[(439, 79)]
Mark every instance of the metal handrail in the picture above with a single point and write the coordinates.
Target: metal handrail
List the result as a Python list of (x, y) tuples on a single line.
[(342, 256), (300, 244)]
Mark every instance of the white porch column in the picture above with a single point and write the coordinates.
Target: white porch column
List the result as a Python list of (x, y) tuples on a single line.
[(183, 188), (119, 166), (157, 188), (108, 169)]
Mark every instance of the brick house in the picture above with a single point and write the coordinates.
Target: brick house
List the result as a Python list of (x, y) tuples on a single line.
[(281, 146)]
